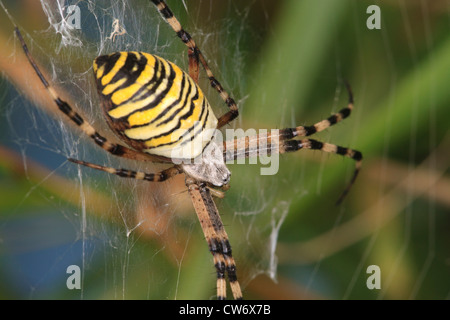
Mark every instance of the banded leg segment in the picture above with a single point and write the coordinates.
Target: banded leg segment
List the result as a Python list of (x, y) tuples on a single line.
[(274, 142), (304, 131), (295, 145), (76, 118), (196, 55), (193, 65), (138, 175), (216, 237)]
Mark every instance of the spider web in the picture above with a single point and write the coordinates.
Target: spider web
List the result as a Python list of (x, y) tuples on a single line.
[(284, 64)]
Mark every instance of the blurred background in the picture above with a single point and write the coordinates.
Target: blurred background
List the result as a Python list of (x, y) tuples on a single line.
[(284, 62)]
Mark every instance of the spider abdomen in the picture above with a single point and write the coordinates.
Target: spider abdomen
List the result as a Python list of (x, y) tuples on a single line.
[(153, 105)]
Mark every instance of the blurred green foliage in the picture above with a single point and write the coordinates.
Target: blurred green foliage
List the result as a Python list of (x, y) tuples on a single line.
[(284, 62)]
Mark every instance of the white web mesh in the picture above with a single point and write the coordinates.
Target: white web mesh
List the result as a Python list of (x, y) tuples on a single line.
[(283, 62)]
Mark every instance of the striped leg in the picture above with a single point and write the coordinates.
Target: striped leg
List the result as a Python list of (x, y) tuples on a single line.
[(216, 237), (274, 142), (295, 145), (305, 131), (281, 141), (64, 107), (125, 173), (196, 55), (193, 65)]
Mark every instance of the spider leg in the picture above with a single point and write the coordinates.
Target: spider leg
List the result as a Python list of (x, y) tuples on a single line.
[(216, 193), (295, 145), (193, 65), (274, 142), (196, 55), (281, 141), (216, 237), (305, 131), (125, 173), (76, 118)]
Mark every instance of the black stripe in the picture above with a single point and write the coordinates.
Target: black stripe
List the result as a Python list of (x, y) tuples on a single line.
[(98, 139), (109, 61), (166, 12), (226, 247), (345, 112), (181, 98), (315, 145), (183, 117), (310, 130), (213, 243), (188, 132), (162, 176), (288, 133), (126, 173), (341, 150), (117, 150), (215, 84), (220, 267), (127, 71), (292, 145), (65, 108), (231, 270), (186, 101), (184, 36), (226, 251), (233, 114), (205, 106), (161, 95), (230, 102), (137, 95), (172, 130), (332, 119), (149, 177), (199, 130), (357, 155)]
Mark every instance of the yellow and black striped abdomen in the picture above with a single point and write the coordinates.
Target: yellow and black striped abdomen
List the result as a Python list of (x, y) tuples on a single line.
[(153, 105)]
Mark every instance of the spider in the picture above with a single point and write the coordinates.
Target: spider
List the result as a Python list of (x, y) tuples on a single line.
[(162, 115)]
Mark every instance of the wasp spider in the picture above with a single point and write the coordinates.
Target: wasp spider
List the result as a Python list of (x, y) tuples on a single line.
[(162, 115)]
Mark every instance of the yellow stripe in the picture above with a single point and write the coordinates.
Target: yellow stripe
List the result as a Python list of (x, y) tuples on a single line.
[(111, 87), (143, 131), (176, 134), (143, 117), (126, 93), (138, 55), (122, 95), (98, 72), (185, 103), (149, 131), (119, 64), (126, 109)]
